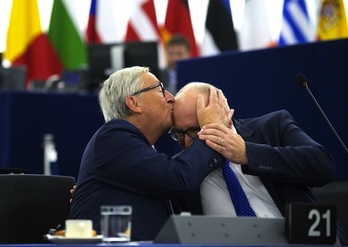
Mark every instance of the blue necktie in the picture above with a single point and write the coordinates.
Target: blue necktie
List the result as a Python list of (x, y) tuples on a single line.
[(239, 199)]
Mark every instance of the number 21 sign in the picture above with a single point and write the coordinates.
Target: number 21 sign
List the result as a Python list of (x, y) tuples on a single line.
[(310, 223)]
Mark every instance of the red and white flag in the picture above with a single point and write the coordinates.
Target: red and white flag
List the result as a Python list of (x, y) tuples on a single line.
[(142, 25)]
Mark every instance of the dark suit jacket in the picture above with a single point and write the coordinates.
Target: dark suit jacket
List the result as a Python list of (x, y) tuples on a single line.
[(120, 167), (285, 158), (288, 162)]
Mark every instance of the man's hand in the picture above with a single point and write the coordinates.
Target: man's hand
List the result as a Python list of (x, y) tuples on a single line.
[(225, 141), (216, 111), (72, 191)]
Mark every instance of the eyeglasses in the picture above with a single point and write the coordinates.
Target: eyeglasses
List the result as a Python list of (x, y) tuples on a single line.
[(178, 135), (151, 87)]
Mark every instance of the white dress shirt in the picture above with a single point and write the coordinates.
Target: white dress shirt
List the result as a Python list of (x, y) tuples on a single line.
[(216, 199)]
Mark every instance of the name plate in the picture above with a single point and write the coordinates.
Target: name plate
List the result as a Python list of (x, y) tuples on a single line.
[(310, 223)]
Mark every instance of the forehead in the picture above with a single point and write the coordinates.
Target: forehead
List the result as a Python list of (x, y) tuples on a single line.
[(185, 113), (149, 79)]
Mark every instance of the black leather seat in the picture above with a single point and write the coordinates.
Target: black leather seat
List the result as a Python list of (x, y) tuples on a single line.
[(336, 193), (31, 204)]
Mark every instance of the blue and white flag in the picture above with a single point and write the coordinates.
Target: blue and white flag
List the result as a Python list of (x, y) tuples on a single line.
[(296, 24)]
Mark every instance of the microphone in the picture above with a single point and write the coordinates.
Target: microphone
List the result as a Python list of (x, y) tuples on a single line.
[(303, 82)]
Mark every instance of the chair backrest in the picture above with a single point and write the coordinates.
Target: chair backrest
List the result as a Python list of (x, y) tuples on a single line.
[(31, 204), (336, 193)]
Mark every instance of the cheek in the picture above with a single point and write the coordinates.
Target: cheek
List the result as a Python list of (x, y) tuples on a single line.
[(157, 102)]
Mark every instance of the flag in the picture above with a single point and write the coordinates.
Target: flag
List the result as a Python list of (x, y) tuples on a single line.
[(142, 25), (104, 21), (178, 21), (219, 34), (296, 25), (332, 21), (255, 32), (92, 35), (27, 45), (65, 36), (108, 19)]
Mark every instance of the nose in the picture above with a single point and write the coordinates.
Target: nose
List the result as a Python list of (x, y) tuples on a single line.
[(186, 142), (169, 97)]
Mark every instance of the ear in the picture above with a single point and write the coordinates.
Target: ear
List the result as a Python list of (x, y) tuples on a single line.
[(133, 104)]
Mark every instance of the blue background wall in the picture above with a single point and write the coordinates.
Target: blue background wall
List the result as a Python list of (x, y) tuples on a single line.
[(26, 117)]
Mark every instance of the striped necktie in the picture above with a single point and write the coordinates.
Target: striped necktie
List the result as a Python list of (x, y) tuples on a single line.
[(239, 199)]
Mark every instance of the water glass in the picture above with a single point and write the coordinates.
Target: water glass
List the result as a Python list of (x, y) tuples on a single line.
[(116, 223)]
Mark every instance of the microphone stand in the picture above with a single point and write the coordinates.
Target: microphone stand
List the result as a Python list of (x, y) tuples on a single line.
[(305, 84)]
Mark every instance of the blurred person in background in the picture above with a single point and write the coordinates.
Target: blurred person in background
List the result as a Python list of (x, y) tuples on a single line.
[(176, 48)]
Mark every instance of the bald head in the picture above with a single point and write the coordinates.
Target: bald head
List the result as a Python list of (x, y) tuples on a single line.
[(189, 93), (185, 108), (194, 88)]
